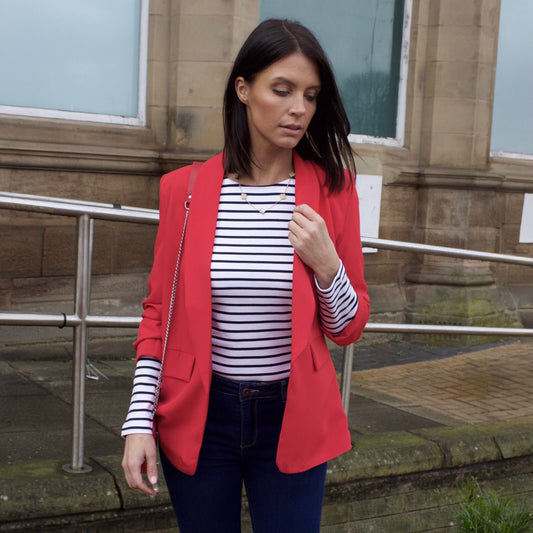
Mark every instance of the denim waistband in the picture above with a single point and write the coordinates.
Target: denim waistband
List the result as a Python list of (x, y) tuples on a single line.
[(250, 390)]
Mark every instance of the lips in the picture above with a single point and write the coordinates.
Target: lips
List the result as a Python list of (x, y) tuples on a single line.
[(292, 129)]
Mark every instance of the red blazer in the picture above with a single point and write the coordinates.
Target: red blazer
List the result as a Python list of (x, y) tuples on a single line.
[(315, 427)]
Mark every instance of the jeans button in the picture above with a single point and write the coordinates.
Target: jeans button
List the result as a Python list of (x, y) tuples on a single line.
[(246, 392)]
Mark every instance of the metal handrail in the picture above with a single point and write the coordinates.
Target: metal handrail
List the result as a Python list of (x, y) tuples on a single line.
[(81, 319)]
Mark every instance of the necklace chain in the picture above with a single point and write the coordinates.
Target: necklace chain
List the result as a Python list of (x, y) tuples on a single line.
[(263, 210)]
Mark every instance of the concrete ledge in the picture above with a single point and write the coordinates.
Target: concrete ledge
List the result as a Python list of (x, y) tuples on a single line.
[(38, 492)]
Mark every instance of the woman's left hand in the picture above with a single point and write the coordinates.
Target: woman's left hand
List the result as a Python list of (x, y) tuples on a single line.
[(310, 239)]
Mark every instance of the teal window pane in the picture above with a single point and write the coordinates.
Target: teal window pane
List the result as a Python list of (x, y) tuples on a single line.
[(512, 119), (71, 55), (363, 40)]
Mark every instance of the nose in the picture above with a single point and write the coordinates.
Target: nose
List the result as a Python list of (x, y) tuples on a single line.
[(298, 105)]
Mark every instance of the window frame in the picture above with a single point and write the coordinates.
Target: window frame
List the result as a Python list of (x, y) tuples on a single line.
[(399, 140), (504, 154), (139, 120)]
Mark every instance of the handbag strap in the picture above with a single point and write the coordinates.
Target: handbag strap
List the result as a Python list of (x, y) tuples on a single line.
[(192, 177)]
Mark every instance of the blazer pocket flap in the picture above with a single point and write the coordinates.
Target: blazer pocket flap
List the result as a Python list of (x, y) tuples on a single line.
[(178, 365), (320, 356)]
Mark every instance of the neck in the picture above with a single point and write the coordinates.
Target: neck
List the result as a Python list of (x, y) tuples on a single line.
[(266, 171)]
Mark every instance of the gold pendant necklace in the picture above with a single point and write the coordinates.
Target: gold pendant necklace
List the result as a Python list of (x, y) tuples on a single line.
[(263, 210)]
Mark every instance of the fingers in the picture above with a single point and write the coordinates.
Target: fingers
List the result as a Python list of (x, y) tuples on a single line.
[(310, 239), (151, 471), (307, 229), (138, 449)]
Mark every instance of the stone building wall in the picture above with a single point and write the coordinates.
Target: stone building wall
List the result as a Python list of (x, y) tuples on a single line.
[(442, 187)]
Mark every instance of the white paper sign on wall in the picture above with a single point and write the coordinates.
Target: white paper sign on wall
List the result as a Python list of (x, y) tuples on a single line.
[(526, 227), (369, 191)]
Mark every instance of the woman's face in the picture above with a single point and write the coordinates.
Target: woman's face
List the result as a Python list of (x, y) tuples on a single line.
[(280, 102)]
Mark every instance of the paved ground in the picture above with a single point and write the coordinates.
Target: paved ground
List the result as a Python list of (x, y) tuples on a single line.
[(489, 385), (395, 387)]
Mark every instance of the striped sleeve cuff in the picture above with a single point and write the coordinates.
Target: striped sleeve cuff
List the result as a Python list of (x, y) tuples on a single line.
[(338, 303), (140, 414)]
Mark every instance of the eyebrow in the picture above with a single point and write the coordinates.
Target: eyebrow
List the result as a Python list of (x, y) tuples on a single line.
[(286, 80)]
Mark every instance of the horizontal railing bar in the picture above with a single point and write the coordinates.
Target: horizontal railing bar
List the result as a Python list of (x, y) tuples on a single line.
[(61, 206), (15, 318), (56, 199), (443, 250), (101, 321), (376, 327), (55, 206)]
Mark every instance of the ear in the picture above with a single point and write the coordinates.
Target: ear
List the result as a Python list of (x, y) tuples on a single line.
[(241, 88)]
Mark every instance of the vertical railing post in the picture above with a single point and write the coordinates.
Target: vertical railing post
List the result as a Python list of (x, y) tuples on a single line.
[(346, 380), (85, 232)]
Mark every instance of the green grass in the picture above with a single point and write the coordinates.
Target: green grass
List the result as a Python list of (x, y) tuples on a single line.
[(490, 512)]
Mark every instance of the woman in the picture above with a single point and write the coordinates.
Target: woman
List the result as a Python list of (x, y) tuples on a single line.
[(272, 260)]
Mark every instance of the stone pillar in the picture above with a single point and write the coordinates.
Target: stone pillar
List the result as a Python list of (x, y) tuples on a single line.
[(205, 38), (458, 201)]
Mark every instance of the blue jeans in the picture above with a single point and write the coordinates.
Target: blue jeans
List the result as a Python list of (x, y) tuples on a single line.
[(240, 442)]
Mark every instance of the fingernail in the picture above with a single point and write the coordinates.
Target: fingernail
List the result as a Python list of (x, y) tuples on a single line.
[(153, 480)]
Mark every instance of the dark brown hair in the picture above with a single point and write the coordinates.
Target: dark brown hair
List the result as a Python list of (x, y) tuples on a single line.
[(326, 140)]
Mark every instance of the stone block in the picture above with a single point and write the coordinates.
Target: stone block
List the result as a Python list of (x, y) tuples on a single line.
[(490, 14), (21, 251), (458, 43), (441, 207), (457, 13), (28, 484), (488, 45), (452, 150), (157, 84), (158, 36), (520, 275), (400, 205), (514, 203), (205, 38), (485, 83), (483, 115), (201, 84), (481, 151), (509, 235), (453, 115), (377, 274), (160, 7), (385, 455), (462, 445), (59, 254), (452, 79), (134, 244), (514, 438), (484, 239), (104, 247), (454, 237), (199, 129), (386, 298)]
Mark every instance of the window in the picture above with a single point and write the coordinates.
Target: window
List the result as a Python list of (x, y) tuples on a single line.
[(74, 59), (512, 118), (364, 40)]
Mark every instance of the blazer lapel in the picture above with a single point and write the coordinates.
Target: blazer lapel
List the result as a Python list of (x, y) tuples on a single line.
[(304, 306), (197, 258)]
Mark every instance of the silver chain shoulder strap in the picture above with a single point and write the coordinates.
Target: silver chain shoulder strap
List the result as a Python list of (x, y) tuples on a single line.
[(192, 177)]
